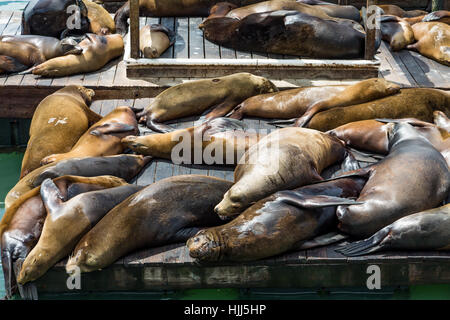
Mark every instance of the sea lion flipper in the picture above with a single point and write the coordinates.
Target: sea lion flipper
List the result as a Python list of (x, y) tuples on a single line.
[(51, 196), (312, 201), (28, 291), (158, 127), (350, 163), (359, 248), (7, 272), (217, 125), (110, 128), (11, 65), (284, 121), (320, 241), (435, 15), (221, 109)]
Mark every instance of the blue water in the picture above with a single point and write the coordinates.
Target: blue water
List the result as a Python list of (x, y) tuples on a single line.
[(12, 5)]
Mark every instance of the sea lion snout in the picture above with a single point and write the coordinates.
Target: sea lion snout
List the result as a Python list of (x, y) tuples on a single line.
[(203, 246)]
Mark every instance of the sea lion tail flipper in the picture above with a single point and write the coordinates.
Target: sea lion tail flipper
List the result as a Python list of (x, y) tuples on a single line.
[(350, 163), (158, 127), (441, 120), (220, 110), (413, 46), (372, 244), (51, 196), (114, 127), (321, 241), (435, 15), (7, 266), (283, 121), (411, 121), (28, 291), (217, 125), (307, 201), (27, 71)]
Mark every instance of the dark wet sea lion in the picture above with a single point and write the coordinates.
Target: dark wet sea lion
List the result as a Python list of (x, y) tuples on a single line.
[(25, 54), (397, 32), (10, 65), (413, 177), (103, 138), (168, 211), (51, 18), (192, 98), (57, 124), (221, 136), (419, 103), (21, 225), (276, 224), (288, 32), (155, 39), (66, 222), (433, 41), (170, 8), (97, 52), (426, 230), (285, 159), (125, 166), (399, 12)]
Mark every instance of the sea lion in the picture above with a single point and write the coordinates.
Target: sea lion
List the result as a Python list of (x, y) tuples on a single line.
[(276, 224), (170, 8), (10, 65), (155, 39), (66, 222), (125, 166), (55, 18), (426, 230), (26, 56), (416, 103), (308, 101), (436, 16), (192, 98), (100, 21), (441, 120), (103, 138), (286, 158), (433, 41), (397, 32), (58, 122), (288, 32), (168, 211), (335, 10), (391, 9), (97, 52), (225, 139), (414, 176), (21, 225)]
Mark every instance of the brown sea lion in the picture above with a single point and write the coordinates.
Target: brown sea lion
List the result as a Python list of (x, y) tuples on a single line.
[(436, 16), (168, 211), (281, 222), (426, 230), (397, 32), (224, 140), (100, 21), (192, 98), (413, 177), (416, 103), (170, 8), (21, 225), (10, 65), (394, 10), (25, 54), (66, 222), (125, 166), (97, 52), (154, 40), (58, 122), (335, 10), (286, 158), (103, 138), (433, 41)]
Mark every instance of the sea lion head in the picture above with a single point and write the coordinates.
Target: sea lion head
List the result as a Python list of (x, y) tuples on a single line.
[(231, 204), (262, 84), (85, 93), (31, 269), (204, 246), (401, 131)]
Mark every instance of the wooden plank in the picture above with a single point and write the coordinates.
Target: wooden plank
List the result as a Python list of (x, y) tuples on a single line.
[(108, 106), (169, 23), (431, 70), (13, 26), (5, 17), (164, 169), (399, 72), (134, 28), (181, 46), (196, 50), (96, 106), (414, 69)]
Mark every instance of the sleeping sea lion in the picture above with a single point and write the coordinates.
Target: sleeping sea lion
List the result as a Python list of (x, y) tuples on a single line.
[(192, 98), (426, 230), (125, 166), (22, 56), (155, 39), (66, 222), (225, 139), (168, 211), (103, 138), (97, 52), (433, 41), (394, 10), (397, 32), (413, 177), (21, 225), (57, 124), (281, 222), (286, 158), (10, 65)]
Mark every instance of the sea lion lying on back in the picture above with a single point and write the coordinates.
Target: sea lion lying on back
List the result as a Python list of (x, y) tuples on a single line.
[(397, 32)]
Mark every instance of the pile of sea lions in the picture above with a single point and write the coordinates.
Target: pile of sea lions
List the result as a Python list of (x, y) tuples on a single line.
[(366, 161)]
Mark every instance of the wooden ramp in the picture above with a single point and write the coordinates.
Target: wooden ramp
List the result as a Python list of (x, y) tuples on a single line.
[(171, 268)]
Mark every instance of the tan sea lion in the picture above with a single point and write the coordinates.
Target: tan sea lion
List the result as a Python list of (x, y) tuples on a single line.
[(192, 98), (225, 139), (100, 21), (394, 10), (125, 166), (419, 103), (441, 120), (426, 230), (66, 222), (397, 32), (286, 158), (97, 52), (433, 41), (281, 222), (103, 138), (57, 124), (21, 225), (25, 54), (154, 40), (168, 211), (413, 177)]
